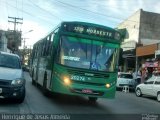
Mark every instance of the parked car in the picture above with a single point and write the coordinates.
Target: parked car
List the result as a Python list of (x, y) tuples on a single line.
[(150, 87), (126, 79), (12, 82)]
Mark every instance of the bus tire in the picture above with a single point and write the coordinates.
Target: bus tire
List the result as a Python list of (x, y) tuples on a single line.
[(93, 99), (33, 81), (44, 87)]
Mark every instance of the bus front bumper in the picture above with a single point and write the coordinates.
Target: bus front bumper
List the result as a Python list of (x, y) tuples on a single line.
[(84, 90)]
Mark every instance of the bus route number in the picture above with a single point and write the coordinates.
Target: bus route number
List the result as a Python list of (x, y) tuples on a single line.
[(78, 78)]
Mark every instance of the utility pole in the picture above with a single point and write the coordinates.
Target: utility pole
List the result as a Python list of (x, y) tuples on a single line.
[(24, 50), (16, 21)]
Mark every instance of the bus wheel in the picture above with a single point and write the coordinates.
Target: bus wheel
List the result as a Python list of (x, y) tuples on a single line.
[(33, 82), (93, 99), (44, 87)]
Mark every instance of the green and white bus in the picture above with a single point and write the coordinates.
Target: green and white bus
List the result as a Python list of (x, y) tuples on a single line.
[(77, 58)]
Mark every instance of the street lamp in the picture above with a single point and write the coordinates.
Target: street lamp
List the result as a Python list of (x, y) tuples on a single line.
[(30, 30), (25, 38), (27, 32)]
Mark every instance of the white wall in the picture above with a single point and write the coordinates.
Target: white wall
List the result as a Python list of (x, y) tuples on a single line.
[(132, 26)]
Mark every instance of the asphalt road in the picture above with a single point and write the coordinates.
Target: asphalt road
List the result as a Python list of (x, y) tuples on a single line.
[(36, 103)]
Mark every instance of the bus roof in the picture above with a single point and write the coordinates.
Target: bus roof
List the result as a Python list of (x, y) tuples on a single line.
[(88, 24), (85, 24)]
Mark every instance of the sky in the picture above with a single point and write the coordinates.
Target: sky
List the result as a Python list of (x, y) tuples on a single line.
[(42, 16)]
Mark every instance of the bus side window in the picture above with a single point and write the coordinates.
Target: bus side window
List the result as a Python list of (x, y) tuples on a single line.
[(50, 51), (43, 48)]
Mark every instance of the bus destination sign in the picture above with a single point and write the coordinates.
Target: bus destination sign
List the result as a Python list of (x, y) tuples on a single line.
[(95, 31)]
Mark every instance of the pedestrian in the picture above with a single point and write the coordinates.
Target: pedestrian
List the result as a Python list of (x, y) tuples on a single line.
[(138, 76), (143, 75), (146, 74), (155, 72)]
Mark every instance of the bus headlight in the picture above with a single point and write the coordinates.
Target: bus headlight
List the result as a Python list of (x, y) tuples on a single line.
[(67, 81), (108, 85)]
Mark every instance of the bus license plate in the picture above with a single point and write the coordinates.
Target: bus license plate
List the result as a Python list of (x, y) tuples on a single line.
[(87, 91), (0, 90)]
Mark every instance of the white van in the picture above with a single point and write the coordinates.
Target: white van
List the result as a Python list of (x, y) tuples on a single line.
[(12, 82)]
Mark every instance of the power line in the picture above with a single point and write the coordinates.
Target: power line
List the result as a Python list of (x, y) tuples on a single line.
[(22, 8), (123, 19), (17, 8), (89, 17), (26, 12), (97, 3), (75, 7), (7, 8), (44, 10)]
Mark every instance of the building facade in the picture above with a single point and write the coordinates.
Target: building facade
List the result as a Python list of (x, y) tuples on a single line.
[(3, 41), (10, 41), (141, 38)]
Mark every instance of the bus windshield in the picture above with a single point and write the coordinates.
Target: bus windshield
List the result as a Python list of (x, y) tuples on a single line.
[(88, 54)]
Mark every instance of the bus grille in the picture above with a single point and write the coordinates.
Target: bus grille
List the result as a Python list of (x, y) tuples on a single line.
[(82, 73), (88, 83)]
